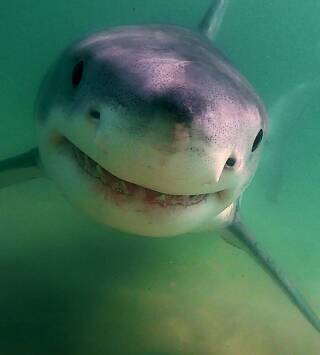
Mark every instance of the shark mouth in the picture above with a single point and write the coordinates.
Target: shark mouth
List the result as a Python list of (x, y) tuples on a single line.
[(121, 190)]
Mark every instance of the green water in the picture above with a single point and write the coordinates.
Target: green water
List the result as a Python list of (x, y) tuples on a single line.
[(71, 287)]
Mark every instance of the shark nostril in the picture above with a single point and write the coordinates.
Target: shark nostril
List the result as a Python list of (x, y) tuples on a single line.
[(94, 113), (231, 162)]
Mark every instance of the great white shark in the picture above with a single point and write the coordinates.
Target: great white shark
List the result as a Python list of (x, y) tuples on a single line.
[(150, 130)]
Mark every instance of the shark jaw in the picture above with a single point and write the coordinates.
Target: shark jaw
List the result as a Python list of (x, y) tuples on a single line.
[(121, 190), (123, 205)]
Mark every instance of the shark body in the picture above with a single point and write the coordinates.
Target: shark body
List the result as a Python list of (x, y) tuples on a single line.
[(150, 130)]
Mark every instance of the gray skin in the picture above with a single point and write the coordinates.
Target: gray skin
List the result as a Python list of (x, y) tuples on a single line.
[(150, 130)]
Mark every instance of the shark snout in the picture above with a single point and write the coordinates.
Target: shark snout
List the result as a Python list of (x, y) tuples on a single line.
[(173, 160)]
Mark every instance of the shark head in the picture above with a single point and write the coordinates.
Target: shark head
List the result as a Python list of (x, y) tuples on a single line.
[(149, 130)]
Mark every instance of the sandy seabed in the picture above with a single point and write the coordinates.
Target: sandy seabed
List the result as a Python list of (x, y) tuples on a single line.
[(71, 287)]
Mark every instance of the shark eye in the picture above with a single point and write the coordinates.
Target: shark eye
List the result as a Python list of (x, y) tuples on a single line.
[(257, 140), (77, 74), (231, 162)]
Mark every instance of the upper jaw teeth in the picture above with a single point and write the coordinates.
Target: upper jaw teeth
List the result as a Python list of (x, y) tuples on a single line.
[(161, 198), (120, 186)]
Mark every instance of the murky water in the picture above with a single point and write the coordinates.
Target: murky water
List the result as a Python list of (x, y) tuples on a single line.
[(69, 286)]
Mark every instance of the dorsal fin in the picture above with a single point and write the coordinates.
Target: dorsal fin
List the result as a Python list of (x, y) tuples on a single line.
[(211, 21), (20, 168)]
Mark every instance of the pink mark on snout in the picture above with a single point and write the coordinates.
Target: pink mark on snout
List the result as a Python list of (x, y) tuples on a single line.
[(181, 137)]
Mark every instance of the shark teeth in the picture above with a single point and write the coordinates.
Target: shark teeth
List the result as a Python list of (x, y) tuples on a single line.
[(120, 187)]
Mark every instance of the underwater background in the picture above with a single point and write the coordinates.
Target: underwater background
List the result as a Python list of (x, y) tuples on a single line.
[(69, 286)]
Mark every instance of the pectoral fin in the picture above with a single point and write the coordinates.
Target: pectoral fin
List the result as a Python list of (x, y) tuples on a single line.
[(247, 242), (20, 168)]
